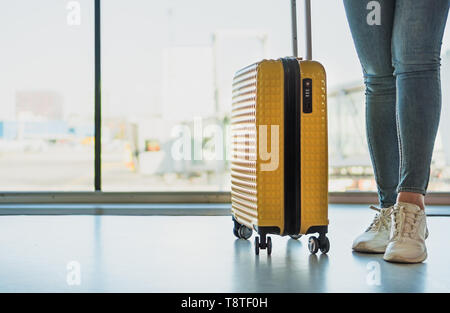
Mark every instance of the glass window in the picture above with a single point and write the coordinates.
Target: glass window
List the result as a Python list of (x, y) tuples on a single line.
[(167, 68), (167, 73), (46, 95)]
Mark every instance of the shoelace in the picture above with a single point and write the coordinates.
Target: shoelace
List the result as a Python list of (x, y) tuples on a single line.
[(405, 222), (381, 219)]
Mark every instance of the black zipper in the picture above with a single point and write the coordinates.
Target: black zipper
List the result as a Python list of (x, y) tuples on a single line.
[(292, 146)]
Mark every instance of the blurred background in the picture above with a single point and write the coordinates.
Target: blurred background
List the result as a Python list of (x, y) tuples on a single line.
[(166, 65)]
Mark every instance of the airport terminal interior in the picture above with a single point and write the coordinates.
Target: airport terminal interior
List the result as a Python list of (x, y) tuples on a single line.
[(129, 104)]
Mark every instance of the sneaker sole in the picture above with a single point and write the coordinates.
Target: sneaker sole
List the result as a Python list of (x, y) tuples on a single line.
[(364, 249), (400, 259)]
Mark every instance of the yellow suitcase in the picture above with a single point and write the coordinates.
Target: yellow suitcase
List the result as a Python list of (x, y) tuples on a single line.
[(279, 167)]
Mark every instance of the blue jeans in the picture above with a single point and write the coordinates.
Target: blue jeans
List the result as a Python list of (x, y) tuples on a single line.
[(400, 58)]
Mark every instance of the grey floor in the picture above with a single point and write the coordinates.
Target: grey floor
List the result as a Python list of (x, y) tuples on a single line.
[(200, 254)]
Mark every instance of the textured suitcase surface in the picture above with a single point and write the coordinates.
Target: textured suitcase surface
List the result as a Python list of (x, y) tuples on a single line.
[(279, 168)]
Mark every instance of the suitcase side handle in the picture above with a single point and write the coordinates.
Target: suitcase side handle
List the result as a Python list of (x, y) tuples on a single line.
[(307, 35)]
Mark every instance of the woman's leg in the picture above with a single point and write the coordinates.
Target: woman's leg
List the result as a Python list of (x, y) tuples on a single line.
[(416, 48), (373, 45)]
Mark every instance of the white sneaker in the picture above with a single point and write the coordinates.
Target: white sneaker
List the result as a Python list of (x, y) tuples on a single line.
[(376, 236), (408, 234)]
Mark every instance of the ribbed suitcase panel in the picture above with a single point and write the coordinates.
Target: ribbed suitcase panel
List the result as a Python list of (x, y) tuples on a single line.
[(243, 141), (257, 195)]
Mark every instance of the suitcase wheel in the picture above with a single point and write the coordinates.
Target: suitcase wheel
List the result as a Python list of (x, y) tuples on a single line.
[(313, 244), (244, 232), (322, 243), (241, 231), (269, 245), (236, 232), (257, 245), (265, 243)]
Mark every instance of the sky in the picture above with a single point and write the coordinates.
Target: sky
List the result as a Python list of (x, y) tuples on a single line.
[(40, 51)]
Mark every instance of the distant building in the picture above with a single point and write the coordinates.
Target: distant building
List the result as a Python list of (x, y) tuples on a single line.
[(43, 105)]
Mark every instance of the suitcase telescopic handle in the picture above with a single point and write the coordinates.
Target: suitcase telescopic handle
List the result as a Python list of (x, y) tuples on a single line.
[(307, 35)]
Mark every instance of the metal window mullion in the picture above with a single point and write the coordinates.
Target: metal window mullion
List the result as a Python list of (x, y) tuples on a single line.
[(98, 100)]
